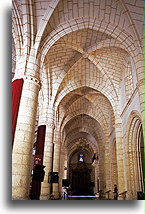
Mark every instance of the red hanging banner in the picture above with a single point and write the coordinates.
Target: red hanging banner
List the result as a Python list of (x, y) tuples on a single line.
[(40, 144), (16, 96)]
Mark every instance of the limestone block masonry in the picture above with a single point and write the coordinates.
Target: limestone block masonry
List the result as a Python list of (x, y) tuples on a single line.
[(24, 139), (88, 58), (46, 187)]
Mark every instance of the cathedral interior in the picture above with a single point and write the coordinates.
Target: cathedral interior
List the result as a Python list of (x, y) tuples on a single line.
[(77, 99)]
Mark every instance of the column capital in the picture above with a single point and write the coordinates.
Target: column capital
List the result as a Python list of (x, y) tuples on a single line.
[(29, 78), (47, 124), (32, 79), (51, 125)]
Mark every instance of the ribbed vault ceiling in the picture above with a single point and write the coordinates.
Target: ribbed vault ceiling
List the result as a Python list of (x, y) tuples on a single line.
[(84, 47), (86, 113)]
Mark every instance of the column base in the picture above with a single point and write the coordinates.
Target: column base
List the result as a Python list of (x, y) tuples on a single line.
[(25, 198), (44, 197), (56, 195), (122, 197)]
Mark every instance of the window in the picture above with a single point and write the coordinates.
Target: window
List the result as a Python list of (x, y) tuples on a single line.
[(81, 158)]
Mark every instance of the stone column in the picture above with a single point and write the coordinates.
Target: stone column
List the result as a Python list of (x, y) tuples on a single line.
[(132, 180), (63, 168), (135, 172), (95, 164), (24, 138), (56, 168), (101, 168), (48, 158), (140, 78), (114, 173), (120, 159), (107, 166)]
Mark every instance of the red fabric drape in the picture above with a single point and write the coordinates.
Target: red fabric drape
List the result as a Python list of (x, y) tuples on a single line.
[(16, 96), (36, 185), (40, 142)]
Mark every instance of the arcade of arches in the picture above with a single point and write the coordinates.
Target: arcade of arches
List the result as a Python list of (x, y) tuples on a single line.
[(77, 86)]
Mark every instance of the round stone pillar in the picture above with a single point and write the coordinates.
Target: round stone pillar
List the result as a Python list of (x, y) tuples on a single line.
[(95, 164), (132, 175), (101, 168), (141, 96), (140, 64), (56, 168), (107, 166), (24, 139), (65, 170), (47, 161), (120, 161)]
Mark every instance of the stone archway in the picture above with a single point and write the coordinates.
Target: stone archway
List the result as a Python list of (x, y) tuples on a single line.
[(134, 157), (81, 172)]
